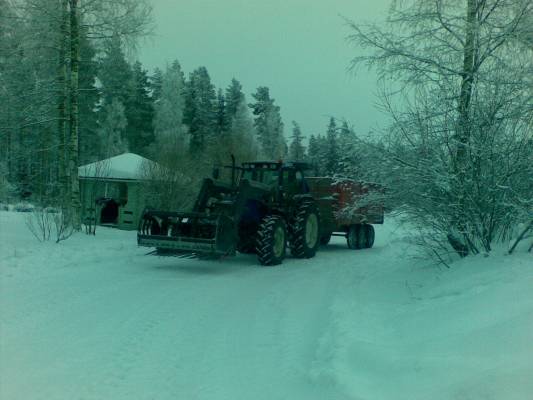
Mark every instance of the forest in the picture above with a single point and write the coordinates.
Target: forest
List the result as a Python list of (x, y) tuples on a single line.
[(456, 156)]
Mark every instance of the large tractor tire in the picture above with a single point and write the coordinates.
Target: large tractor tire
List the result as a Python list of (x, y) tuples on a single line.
[(305, 231), (271, 240)]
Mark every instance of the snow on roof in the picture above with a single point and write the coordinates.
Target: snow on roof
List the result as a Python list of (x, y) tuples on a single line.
[(125, 166)]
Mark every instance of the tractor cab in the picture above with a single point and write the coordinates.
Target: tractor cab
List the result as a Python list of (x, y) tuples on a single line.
[(288, 177)]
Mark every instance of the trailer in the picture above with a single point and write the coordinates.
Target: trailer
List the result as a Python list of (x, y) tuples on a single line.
[(333, 197)]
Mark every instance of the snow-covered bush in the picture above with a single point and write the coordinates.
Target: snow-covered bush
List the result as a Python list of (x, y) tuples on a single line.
[(24, 206), (47, 223)]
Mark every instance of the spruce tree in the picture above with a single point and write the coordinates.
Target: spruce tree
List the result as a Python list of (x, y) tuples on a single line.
[(296, 149), (332, 149), (168, 119), (221, 117), (349, 156), (140, 113), (156, 83), (234, 97), (200, 109), (115, 76), (114, 73), (111, 131)]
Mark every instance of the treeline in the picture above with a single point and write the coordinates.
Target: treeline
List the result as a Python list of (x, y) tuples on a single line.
[(57, 115)]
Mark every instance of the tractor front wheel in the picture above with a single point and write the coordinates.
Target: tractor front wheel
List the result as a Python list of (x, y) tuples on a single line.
[(271, 240)]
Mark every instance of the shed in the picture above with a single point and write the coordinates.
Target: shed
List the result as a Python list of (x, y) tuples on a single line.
[(111, 190)]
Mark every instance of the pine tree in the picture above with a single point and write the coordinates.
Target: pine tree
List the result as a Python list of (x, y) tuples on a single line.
[(296, 149), (140, 113), (200, 108), (268, 124)]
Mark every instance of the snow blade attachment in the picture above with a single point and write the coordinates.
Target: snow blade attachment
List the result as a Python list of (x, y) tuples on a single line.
[(187, 233)]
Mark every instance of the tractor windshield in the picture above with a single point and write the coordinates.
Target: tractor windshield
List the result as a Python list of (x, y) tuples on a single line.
[(266, 176)]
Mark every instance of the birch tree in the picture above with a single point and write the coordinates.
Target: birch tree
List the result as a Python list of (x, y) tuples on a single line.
[(455, 78)]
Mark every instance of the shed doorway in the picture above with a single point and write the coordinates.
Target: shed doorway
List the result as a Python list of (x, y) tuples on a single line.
[(109, 213)]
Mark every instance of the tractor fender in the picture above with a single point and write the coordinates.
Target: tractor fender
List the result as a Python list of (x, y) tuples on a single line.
[(299, 198)]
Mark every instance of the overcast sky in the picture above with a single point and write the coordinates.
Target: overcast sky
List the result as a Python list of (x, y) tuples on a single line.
[(295, 47)]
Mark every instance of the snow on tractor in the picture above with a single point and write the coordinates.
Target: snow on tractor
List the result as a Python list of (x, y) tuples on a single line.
[(263, 208)]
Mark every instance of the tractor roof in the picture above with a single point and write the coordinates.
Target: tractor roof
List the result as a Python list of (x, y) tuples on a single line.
[(276, 165)]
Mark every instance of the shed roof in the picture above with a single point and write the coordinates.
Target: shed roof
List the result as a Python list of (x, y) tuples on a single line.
[(127, 166)]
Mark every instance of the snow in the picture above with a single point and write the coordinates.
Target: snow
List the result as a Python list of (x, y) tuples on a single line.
[(124, 166), (94, 318)]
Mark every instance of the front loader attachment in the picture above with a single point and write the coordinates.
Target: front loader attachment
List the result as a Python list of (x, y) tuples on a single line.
[(188, 233)]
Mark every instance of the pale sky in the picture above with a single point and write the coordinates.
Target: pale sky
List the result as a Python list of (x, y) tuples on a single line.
[(295, 47)]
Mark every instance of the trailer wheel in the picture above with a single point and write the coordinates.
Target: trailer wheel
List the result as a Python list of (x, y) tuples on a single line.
[(305, 231), (324, 240), (353, 238), (271, 240), (370, 236)]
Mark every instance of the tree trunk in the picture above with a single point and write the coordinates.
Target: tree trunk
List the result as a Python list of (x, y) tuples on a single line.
[(73, 139), (64, 184), (463, 126)]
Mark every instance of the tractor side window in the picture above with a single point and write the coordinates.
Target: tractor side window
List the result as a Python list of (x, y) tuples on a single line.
[(250, 175), (299, 177), (272, 178), (301, 183), (286, 177)]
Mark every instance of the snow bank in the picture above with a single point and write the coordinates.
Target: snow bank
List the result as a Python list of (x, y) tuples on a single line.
[(409, 332)]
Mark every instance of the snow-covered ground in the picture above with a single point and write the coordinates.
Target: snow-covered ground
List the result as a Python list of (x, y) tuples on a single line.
[(94, 318)]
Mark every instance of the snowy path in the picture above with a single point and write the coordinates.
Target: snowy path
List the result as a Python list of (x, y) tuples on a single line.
[(93, 318)]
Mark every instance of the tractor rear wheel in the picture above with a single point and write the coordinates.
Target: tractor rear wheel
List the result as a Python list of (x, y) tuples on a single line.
[(305, 231), (271, 240)]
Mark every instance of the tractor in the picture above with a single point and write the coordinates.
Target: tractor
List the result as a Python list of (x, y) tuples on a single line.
[(265, 207)]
